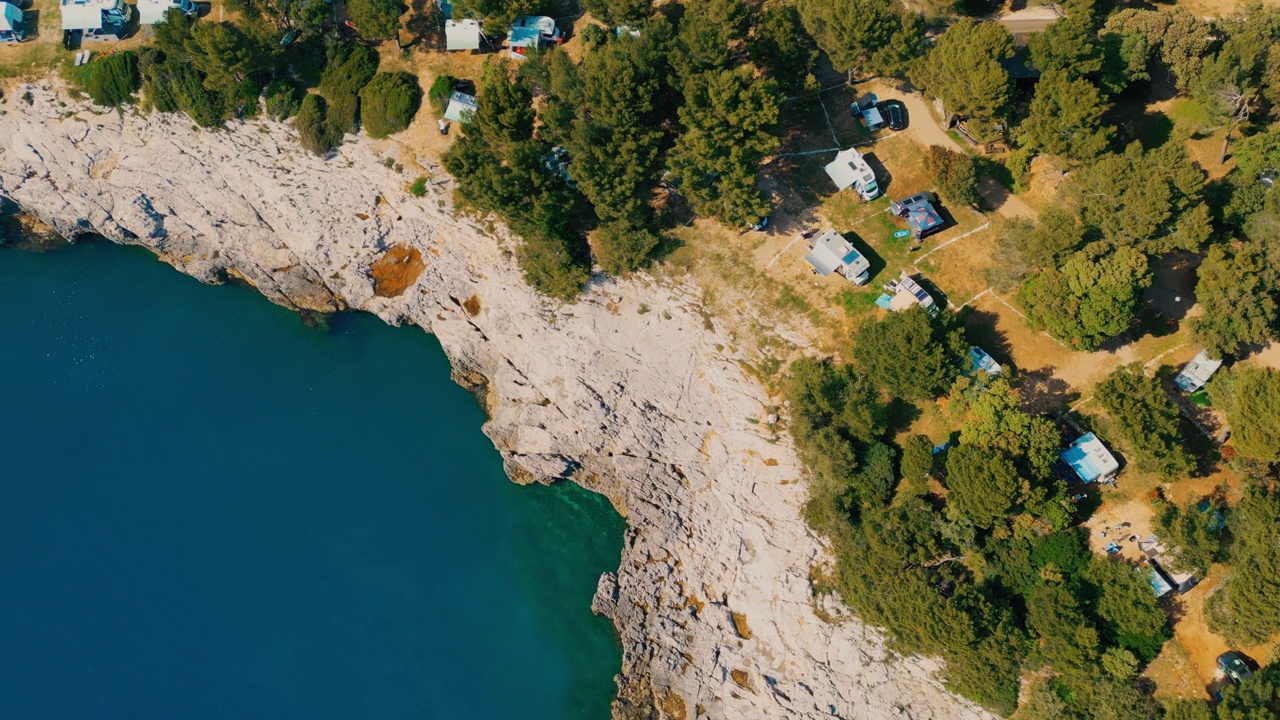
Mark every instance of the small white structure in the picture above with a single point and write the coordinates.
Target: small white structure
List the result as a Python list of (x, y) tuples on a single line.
[(461, 106), (12, 26), (904, 294), (96, 19), (850, 170), (833, 253), (462, 35), (151, 12), (530, 33), (1197, 372), (1091, 460)]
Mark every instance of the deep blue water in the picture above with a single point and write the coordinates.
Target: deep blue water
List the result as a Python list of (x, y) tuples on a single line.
[(208, 510)]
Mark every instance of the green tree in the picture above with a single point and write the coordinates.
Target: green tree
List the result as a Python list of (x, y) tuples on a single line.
[(1067, 47), (860, 35), (1148, 421), (1251, 398), (1230, 82), (780, 45), (622, 248), (376, 19), (728, 117), (994, 420), (1187, 710), (497, 15), (1119, 663), (963, 69), (281, 100), (111, 80), (1066, 117), (917, 462), (1246, 610), (1258, 699), (223, 54), (936, 349), (1236, 290), (350, 68), (389, 102), (1091, 298), (1258, 154), (313, 127), (706, 32), (1194, 534), (955, 173), (1129, 613), (1181, 39), (618, 12), (1068, 640), (983, 485), (1137, 198)]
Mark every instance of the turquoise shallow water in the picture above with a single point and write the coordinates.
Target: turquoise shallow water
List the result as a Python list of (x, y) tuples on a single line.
[(209, 511)]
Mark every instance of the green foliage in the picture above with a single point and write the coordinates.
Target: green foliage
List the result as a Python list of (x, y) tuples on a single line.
[(175, 86), (419, 187), (728, 117), (375, 19), (1136, 198), (497, 15), (314, 131), (1181, 39), (917, 462), (706, 31), (1258, 154), (911, 355), (1148, 421), (983, 484), (389, 102), (211, 71), (1187, 710), (622, 248), (618, 12), (438, 95), (1236, 289), (111, 80), (994, 420), (1089, 299), (863, 35), (281, 100), (963, 69), (1119, 663), (1068, 639), (1251, 398), (350, 68), (1066, 48), (955, 173), (780, 45), (1246, 610), (499, 167), (1066, 117), (1128, 611), (1194, 535)]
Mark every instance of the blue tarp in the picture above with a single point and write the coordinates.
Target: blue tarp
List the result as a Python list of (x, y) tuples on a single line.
[(980, 360), (1085, 457), (884, 302)]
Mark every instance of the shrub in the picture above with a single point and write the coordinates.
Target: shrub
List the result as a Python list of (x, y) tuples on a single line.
[(281, 100), (956, 174), (350, 68), (439, 93), (419, 187), (621, 247), (375, 19), (1147, 420), (174, 86), (111, 80), (314, 131), (389, 102)]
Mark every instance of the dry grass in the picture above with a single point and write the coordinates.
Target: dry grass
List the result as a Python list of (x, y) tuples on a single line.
[(397, 269)]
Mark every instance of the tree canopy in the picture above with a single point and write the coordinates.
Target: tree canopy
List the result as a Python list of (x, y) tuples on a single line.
[(388, 103), (1066, 117), (963, 69), (1148, 421), (1089, 299), (1236, 290), (1251, 398), (910, 354)]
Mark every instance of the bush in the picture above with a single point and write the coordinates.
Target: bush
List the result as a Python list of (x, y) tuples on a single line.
[(956, 174), (314, 131), (1148, 421), (350, 68), (419, 187), (174, 86), (389, 102), (281, 100), (375, 19), (111, 80), (621, 247), (438, 95)]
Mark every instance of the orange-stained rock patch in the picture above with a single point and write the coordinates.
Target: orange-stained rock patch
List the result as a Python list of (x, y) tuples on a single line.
[(395, 271)]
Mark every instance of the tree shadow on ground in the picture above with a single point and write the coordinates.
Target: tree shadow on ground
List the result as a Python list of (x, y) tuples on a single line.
[(1045, 393)]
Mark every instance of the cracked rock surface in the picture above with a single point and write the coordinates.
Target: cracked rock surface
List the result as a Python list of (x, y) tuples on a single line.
[(711, 600)]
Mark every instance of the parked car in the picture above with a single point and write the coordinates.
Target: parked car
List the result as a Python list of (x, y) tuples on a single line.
[(1235, 665), (894, 114)]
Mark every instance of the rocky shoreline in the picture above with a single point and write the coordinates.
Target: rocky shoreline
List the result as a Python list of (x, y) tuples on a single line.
[(629, 391)]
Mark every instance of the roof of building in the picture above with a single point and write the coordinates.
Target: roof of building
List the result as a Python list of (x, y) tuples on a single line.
[(462, 35), (1197, 372), (10, 16), (851, 170), (922, 217), (84, 14), (460, 105), (980, 360), (831, 252), (1090, 459), (907, 293)]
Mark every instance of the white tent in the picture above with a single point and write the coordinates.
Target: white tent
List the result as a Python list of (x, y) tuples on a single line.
[(10, 17), (461, 106), (462, 35)]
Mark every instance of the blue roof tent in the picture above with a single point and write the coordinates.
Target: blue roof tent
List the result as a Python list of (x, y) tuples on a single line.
[(872, 119), (1090, 459), (923, 219), (446, 8), (980, 360)]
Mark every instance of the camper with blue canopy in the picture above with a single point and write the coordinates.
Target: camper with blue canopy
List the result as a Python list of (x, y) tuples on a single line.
[(979, 360), (1091, 460), (832, 252)]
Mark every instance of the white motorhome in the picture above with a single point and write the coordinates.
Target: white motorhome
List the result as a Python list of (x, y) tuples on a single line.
[(151, 12), (12, 26), (96, 19)]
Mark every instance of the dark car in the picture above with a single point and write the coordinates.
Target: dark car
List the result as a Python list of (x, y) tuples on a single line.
[(894, 113), (1235, 666)]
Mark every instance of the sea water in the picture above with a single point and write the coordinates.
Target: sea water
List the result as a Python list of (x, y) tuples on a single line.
[(209, 510)]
